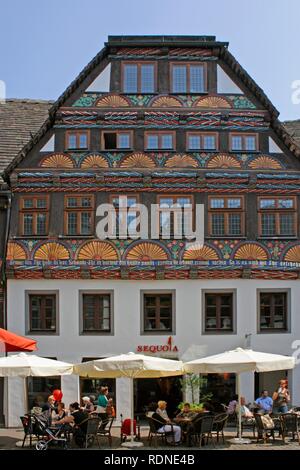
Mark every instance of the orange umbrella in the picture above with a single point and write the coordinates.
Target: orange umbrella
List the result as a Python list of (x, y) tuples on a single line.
[(10, 342)]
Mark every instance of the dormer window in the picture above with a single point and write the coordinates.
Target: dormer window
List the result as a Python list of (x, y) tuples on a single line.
[(116, 140), (188, 78), (243, 142), (139, 77), (77, 140)]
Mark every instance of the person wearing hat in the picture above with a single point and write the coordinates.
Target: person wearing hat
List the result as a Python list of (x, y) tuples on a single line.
[(88, 406)]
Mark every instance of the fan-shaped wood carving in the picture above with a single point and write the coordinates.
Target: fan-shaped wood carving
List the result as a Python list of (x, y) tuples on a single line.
[(57, 160), (112, 101), (212, 102), (15, 252), (251, 252), (223, 161), (166, 102), (293, 254), (264, 162), (51, 251), (98, 251), (146, 252), (181, 161), (138, 160), (200, 253), (94, 161)]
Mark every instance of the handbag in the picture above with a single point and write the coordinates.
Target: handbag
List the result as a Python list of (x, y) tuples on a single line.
[(268, 422)]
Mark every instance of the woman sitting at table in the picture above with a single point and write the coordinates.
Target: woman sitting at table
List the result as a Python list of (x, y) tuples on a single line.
[(61, 413), (163, 423)]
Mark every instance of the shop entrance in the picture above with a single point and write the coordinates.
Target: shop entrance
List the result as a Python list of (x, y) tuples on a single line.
[(147, 392), (219, 387)]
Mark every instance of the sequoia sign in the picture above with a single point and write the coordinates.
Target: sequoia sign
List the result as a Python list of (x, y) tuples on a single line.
[(168, 347)]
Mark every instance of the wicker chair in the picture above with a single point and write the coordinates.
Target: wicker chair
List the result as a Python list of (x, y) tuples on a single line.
[(289, 425), (219, 424), (201, 430), (263, 432), (106, 431), (156, 434), (91, 432)]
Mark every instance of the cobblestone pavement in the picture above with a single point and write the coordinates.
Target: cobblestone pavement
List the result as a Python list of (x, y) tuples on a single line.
[(12, 439)]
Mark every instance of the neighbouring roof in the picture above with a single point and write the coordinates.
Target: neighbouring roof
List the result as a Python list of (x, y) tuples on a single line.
[(293, 128), (20, 119)]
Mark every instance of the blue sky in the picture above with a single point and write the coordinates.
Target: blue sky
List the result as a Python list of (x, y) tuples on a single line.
[(45, 44)]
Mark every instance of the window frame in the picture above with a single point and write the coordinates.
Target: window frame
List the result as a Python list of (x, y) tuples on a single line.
[(188, 64), (83, 332), (77, 132), (220, 292), (118, 133), (277, 211), (28, 330), (34, 211), (271, 291), (128, 195), (80, 209), (139, 76), (177, 196), (202, 135), (243, 135), (159, 134), (154, 292), (226, 211)]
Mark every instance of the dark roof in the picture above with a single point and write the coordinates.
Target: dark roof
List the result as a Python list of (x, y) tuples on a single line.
[(293, 128), (220, 50), (20, 119)]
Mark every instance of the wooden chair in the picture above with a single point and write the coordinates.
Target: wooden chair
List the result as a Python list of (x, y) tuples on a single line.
[(106, 431)]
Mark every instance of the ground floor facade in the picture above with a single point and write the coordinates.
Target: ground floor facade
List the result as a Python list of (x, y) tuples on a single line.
[(176, 319)]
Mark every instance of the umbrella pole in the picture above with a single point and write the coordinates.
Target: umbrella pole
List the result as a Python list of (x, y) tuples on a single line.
[(132, 442), (239, 439)]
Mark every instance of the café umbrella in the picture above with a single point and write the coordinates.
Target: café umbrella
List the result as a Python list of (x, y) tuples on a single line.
[(11, 342), (237, 361), (132, 366), (28, 365)]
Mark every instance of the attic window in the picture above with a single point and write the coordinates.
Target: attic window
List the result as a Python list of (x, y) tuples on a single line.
[(243, 142), (188, 78), (139, 77), (116, 140), (77, 140)]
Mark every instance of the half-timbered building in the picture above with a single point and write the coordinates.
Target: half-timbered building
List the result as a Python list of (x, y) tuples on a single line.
[(160, 120)]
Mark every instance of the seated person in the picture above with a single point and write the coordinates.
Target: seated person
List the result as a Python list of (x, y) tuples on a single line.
[(61, 413), (88, 406), (264, 402), (48, 410), (79, 420), (231, 409), (247, 415), (185, 413), (163, 423)]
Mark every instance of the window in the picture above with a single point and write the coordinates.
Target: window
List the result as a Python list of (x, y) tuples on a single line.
[(175, 215), (139, 77), (202, 141), (277, 216), (42, 313), (188, 78), (273, 311), (159, 140), (116, 140), (34, 215), (125, 219), (79, 215), (96, 312), (218, 312), (226, 216), (158, 312), (77, 140), (243, 142)]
